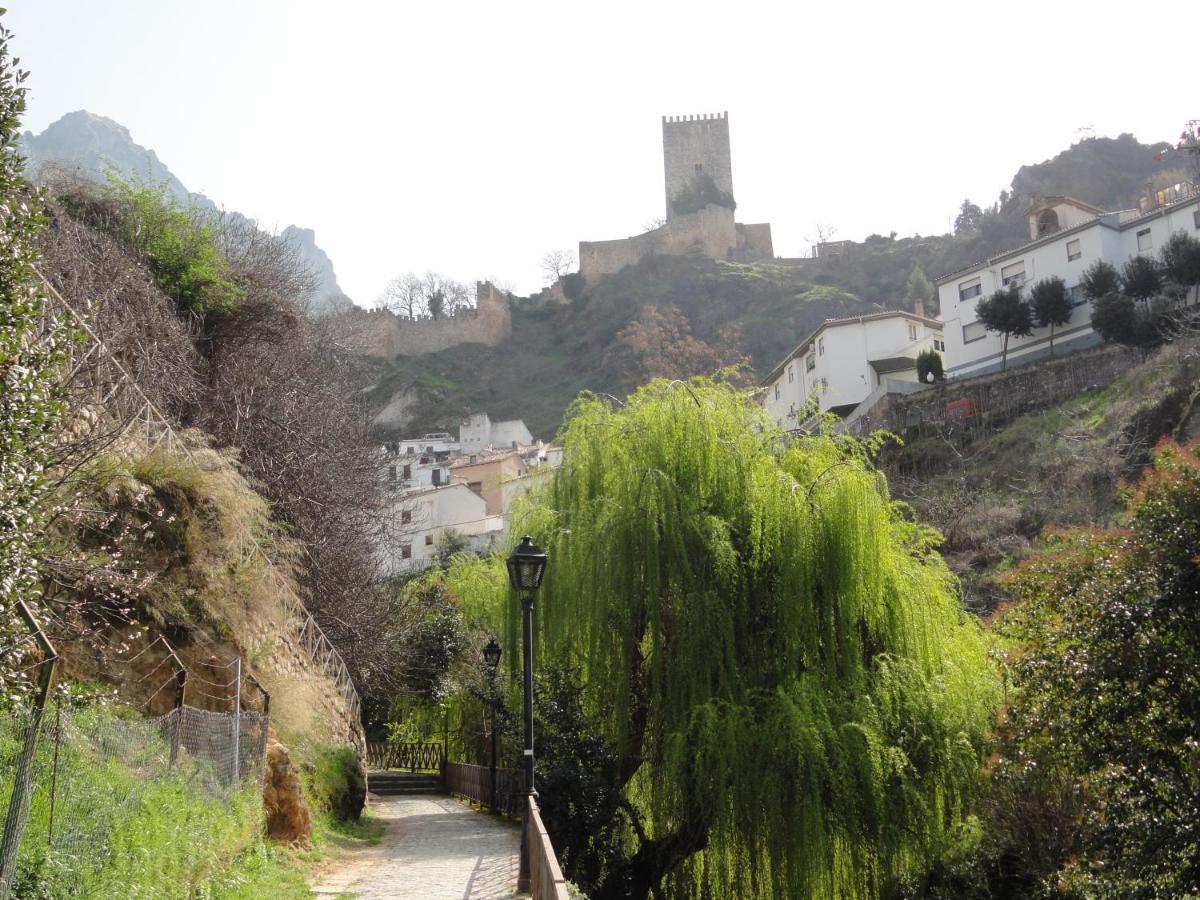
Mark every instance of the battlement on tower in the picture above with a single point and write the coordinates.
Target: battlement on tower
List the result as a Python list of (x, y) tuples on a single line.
[(700, 204), (695, 149), (702, 117)]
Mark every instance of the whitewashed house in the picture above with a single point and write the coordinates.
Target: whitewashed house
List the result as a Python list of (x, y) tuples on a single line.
[(1067, 236), (418, 519), (479, 432), (845, 360), (413, 467), (437, 443)]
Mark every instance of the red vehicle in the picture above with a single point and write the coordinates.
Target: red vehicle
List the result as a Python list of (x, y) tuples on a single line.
[(961, 409)]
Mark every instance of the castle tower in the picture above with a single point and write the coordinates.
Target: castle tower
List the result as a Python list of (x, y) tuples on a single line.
[(696, 146)]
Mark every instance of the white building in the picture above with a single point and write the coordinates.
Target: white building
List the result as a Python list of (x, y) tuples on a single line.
[(845, 360), (436, 443), (479, 432), (419, 519), (1067, 237), (416, 465)]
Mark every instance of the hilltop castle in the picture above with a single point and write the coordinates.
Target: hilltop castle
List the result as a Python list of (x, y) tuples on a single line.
[(700, 204)]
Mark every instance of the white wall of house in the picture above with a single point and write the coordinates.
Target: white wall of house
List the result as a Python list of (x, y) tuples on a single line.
[(971, 350), (479, 432), (836, 363), (429, 444), (408, 473), (417, 520)]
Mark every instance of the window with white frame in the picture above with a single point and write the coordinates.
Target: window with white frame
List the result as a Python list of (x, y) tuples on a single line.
[(939, 345), (912, 331), (810, 363), (1075, 295), (1196, 218), (776, 391), (791, 375), (1013, 273), (821, 346), (973, 331), (1144, 241), (1074, 251), (969, 289)]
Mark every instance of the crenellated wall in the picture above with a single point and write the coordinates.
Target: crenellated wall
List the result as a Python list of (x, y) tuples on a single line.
[(709, 232), (692, 146), (383, 334)]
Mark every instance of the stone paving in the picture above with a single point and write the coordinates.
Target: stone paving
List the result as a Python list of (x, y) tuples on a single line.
[(434, 848)]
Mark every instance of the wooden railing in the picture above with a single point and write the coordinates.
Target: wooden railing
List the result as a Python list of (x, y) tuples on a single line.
[(475, 784), (545, 876), (413, 756)]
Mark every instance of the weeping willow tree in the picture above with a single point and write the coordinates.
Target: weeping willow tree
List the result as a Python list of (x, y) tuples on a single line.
[(776, 651)]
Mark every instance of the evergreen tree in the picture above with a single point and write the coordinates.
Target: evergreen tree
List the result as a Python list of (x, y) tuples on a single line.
[(1140, 278), (775, 652), (1180, 260), (920, 290), (1099, 280), (1051, 305), (929, 362), (1114, 318), (968, 220), (1007, 313)]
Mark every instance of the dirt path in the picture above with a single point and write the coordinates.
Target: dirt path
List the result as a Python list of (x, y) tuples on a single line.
[(434, 848)]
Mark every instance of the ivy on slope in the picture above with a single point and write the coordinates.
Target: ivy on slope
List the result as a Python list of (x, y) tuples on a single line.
[(775, 650)]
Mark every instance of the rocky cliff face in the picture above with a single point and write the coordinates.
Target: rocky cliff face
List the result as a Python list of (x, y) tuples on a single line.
[(94, 147), (328, 296)]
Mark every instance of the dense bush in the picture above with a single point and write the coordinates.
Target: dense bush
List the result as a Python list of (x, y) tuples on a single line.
[(1107, 672), (929, 362), (179, 247), (335, 783)]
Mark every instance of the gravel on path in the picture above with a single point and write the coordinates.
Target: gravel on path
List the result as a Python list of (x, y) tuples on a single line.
[(433, 848)]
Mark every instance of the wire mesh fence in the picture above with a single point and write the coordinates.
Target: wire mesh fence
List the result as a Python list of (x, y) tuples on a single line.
[(96, 769)]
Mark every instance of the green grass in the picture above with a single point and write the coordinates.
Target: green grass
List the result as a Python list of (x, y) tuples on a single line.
[(127, 826)]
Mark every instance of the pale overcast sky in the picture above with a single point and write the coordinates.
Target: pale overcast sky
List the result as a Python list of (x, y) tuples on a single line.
[(470, 138)]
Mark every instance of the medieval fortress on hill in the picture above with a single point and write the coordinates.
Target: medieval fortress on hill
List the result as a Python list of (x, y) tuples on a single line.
[(700, 205), (699, 221)]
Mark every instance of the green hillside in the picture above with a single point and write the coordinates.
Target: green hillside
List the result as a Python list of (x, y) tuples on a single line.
[(757, 312)]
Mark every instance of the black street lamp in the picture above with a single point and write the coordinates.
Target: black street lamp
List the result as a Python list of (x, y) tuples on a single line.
[(526, 566), (491, 658)]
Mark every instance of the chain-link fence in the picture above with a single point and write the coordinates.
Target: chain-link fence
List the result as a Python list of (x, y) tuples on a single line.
[(94, 771)]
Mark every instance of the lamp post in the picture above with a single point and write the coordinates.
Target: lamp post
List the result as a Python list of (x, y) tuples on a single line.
[(526, 566), (491, 658)]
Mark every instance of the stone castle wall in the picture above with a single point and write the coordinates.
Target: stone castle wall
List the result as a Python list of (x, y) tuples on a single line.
[(384, 334), (754, 242), (711, 232), (694, 145)]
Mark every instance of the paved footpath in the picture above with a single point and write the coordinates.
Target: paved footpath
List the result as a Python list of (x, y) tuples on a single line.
[(434, 848)]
